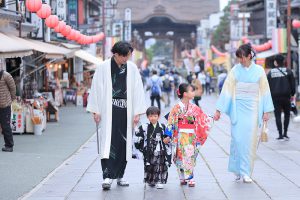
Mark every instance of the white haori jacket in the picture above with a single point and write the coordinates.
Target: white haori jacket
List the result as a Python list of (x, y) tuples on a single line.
[(100, 102)]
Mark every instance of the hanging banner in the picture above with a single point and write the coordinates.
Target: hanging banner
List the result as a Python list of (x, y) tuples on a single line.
[(72, 13), (279, 40), (127, 25), (271, 18)]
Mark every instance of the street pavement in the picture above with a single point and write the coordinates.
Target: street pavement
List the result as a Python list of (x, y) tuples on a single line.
[(34, 157), (276, 173)]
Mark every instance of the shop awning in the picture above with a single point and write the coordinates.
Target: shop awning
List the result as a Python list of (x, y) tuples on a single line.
[(10, 48), (266, 54), (71, 46), (88, 57), (91, 67), (51, 51)]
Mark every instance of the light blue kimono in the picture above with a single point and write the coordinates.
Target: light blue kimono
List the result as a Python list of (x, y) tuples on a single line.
[(245, 97)]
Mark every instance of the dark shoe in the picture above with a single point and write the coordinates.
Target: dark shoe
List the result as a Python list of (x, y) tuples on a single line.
[(280, 138), (7, 149)]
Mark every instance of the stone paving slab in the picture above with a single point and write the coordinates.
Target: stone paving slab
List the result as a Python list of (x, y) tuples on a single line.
[(276, 173)]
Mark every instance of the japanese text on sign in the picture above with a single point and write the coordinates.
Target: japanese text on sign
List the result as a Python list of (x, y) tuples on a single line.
[(271, 19)]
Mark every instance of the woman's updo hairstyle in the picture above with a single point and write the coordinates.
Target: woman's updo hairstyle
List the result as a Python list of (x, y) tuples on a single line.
[(245, 50), (182, 88)]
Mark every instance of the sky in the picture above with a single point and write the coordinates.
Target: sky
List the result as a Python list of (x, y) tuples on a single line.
[(223, 3)]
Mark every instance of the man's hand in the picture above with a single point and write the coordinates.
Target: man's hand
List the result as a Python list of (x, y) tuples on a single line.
[(266, 117), (167, 140), (217, 115), (97, 118), (136, 120)]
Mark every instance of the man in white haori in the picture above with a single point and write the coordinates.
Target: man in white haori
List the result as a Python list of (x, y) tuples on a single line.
[(117, 100)]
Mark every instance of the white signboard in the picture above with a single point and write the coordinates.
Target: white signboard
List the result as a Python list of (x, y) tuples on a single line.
[(271, 18), (61, 9), (127, 27)]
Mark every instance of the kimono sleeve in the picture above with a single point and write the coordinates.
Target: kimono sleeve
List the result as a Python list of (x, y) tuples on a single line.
[(171, 128), (267, 102), (95, 93), (139, 138), (225, 101), (202, 126), (139, 101)]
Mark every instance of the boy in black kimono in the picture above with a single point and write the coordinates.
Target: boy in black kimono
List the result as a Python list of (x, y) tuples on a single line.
[(155, 146)]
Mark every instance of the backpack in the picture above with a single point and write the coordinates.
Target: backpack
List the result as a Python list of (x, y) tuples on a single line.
[(155, 88), (167, 84)]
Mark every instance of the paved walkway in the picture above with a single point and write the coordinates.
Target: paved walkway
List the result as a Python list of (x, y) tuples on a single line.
[(276, 174), (34, 157)]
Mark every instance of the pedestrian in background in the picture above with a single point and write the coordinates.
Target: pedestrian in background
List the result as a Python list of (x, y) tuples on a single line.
[(155, 84), (152, 141), (7, 95), (167, 85), (202, 79), (198, 89), (117, 100), (207, 83), (247, 100), (282, 86)]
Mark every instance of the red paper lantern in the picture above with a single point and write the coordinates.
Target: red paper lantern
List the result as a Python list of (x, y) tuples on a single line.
[(44, 12), (89, 39), (66, 31), (95, 39), (61, 25), (77, 35), (71, 35), (33, 5), (296, 23), (79, 39), (101, 36), (52, 21)]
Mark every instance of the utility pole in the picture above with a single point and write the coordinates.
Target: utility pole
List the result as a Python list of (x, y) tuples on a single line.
[(288, 24)]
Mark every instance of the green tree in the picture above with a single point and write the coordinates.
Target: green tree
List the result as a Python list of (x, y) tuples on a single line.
[(221, 34)]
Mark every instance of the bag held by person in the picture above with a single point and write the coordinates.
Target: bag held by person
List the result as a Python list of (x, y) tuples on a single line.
[(264, 133)]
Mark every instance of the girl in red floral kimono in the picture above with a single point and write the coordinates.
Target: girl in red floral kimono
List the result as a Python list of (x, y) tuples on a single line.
[(188, 127)]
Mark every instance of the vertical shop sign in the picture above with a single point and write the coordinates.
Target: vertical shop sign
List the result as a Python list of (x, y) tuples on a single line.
[(271, 18)]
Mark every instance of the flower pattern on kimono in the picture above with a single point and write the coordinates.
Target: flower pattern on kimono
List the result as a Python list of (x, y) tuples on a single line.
[(188, 163), (189, 150)]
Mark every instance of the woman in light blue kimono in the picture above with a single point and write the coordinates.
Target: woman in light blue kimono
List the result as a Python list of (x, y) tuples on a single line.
[(246, 99)]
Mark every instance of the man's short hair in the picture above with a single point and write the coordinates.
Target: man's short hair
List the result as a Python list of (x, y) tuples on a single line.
[(122, 48), (152, 110), (279, 59)]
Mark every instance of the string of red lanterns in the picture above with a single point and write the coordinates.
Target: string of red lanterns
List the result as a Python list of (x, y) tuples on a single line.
[(259, 48), (52, 21), (216, 51)]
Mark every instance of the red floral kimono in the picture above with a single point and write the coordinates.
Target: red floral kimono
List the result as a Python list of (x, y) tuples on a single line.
[(188, 128)]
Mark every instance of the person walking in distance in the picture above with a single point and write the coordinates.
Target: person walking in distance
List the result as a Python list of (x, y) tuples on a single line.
[(155, 85), (282, 86), (117, 100), (7, 95)]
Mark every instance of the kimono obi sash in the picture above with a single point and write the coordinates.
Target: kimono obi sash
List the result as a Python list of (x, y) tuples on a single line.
[(120, 103), (185, 126), (247, 90)]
